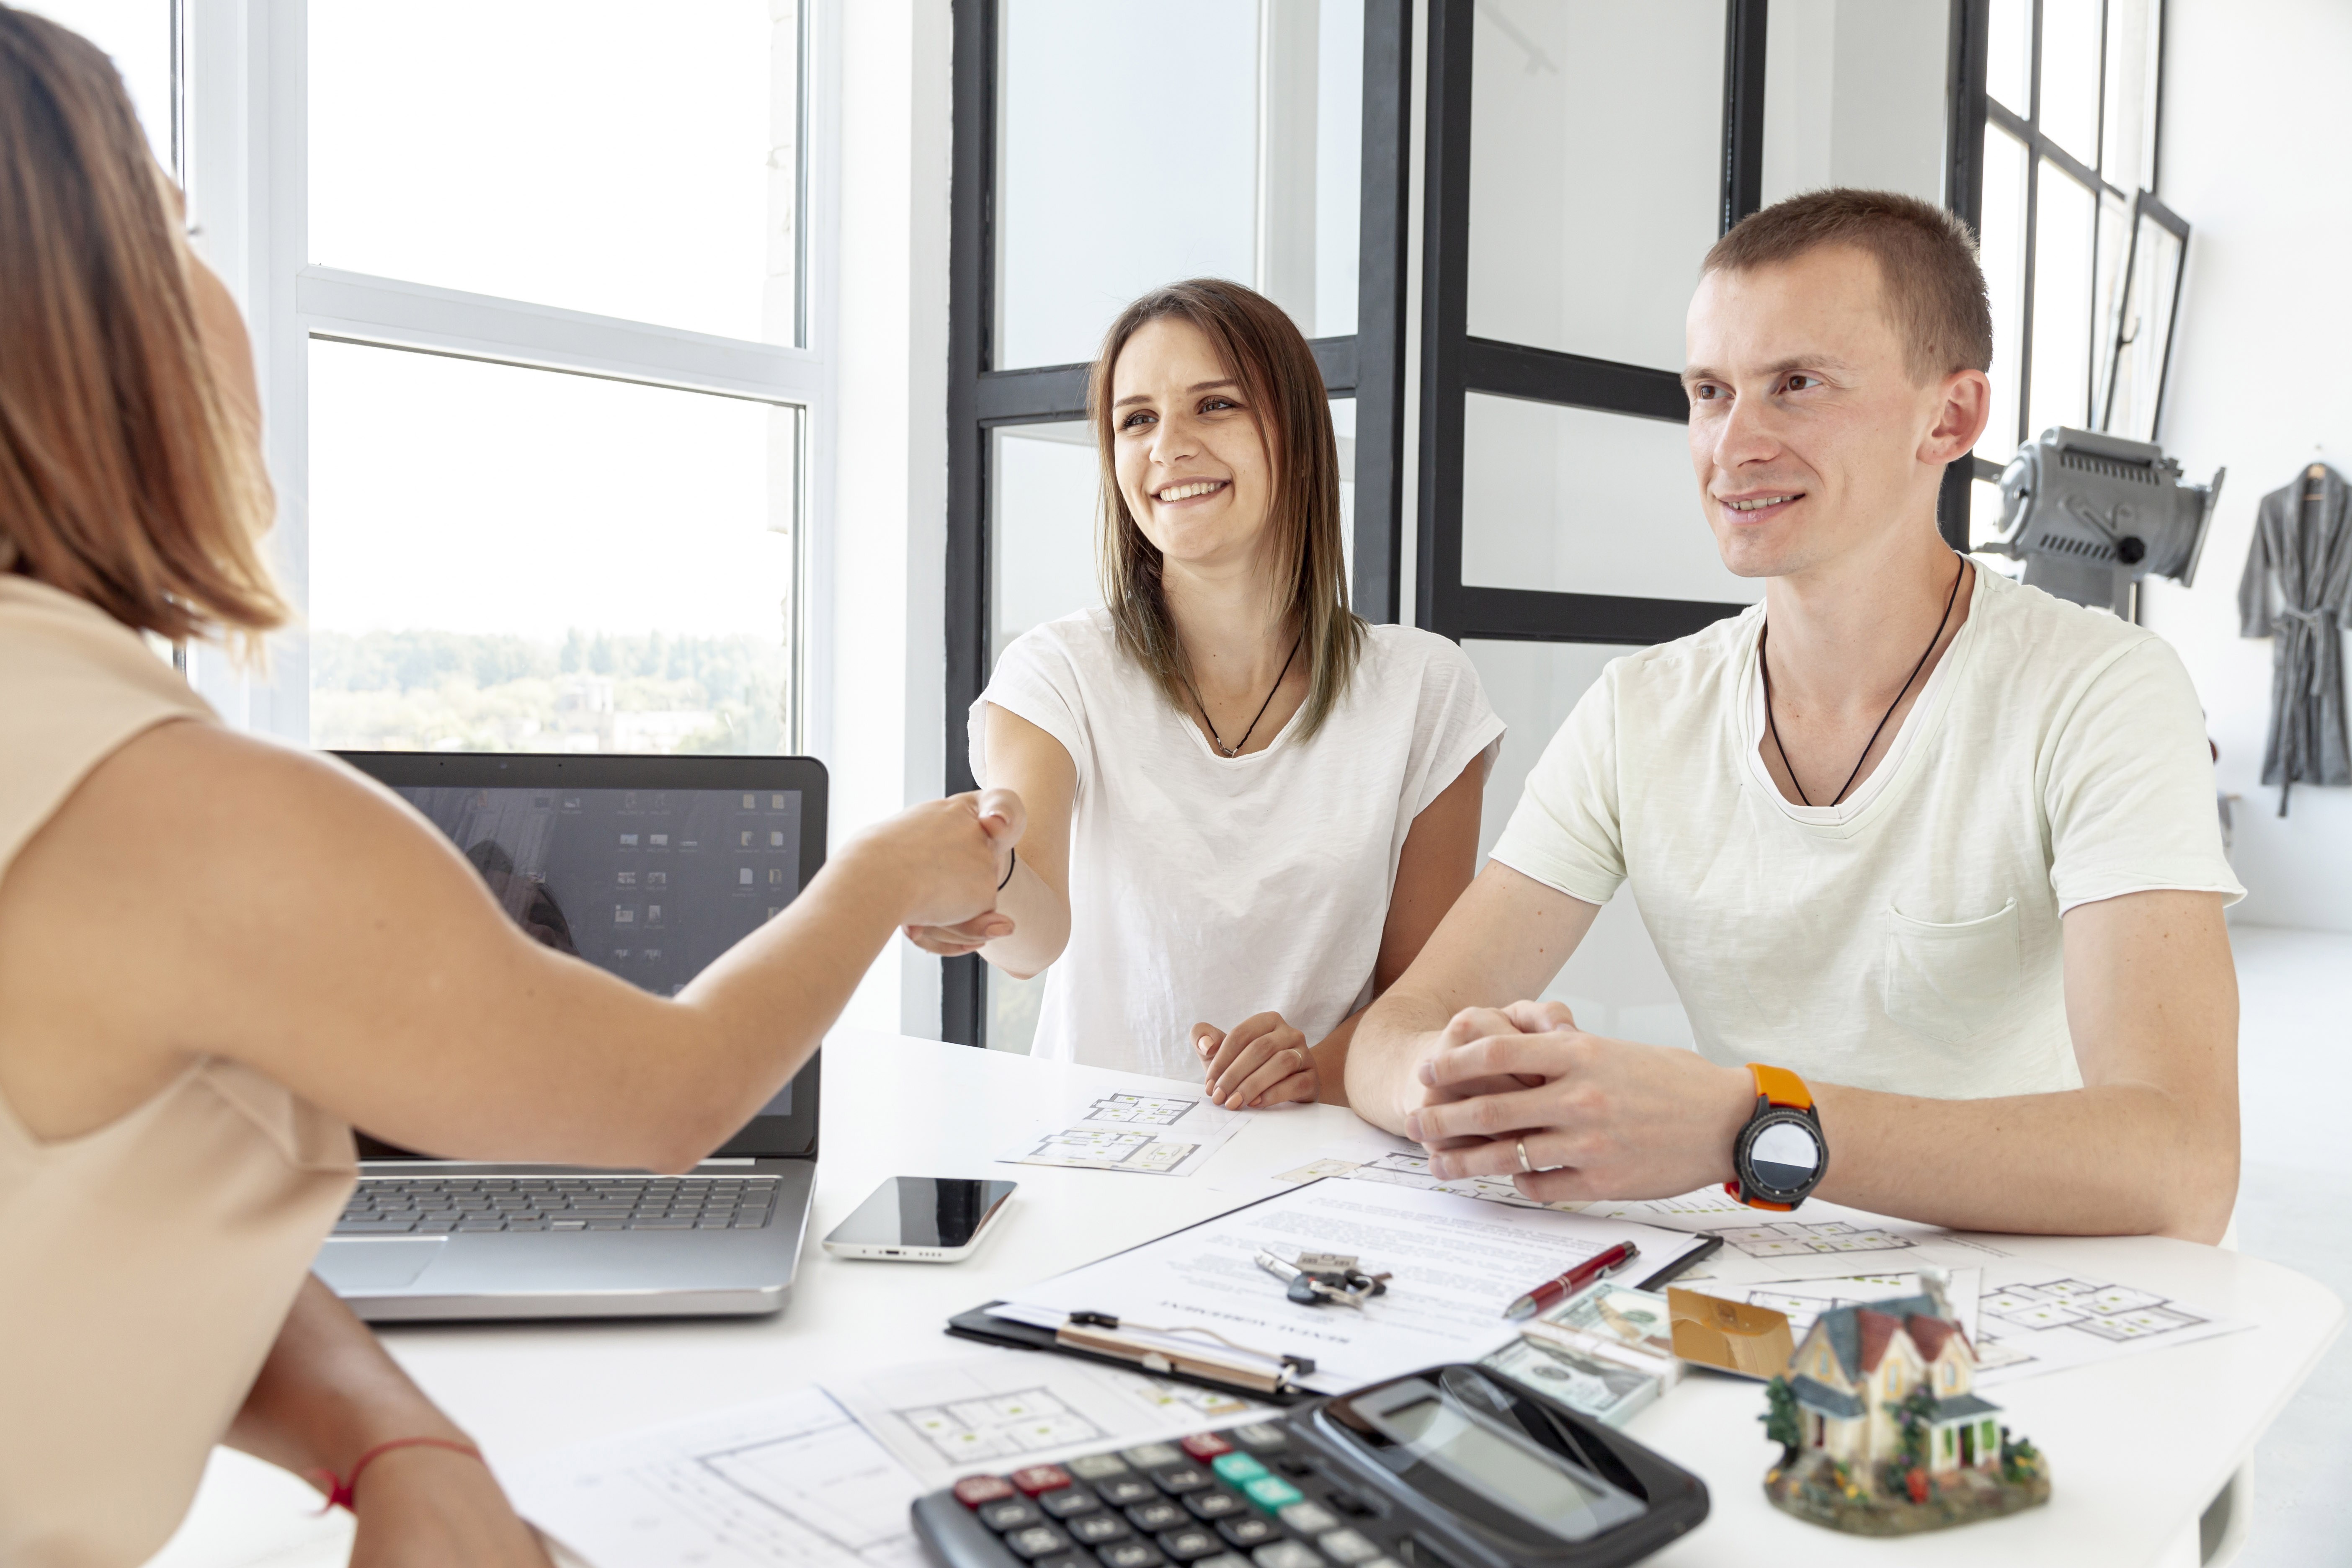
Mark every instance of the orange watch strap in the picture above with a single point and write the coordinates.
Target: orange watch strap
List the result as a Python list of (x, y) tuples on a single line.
[(1781, 1086)]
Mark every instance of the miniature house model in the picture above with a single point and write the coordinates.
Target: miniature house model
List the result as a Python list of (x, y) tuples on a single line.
[(1858, 1363)]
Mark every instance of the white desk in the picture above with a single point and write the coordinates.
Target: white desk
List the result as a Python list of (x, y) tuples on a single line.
[(2137, 1447)]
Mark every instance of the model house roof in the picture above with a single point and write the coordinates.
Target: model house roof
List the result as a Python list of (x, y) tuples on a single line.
[(1929, 1333), (1860, 1335), (1820, 1396)]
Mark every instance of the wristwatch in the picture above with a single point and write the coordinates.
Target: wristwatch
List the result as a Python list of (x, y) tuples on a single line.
[(1780, 1156)]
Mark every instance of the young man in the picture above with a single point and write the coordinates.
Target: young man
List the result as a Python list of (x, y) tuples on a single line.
[(1938, 853)]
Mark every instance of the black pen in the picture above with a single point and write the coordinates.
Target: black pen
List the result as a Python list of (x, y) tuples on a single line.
[(1683, 1265)]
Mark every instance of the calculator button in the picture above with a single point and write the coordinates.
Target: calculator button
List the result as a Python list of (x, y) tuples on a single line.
[(1037, 1541), (1286, 1554), (1205, 1446), (1261, 1435), (1310, 1518), (1348, 1502), (1216, 1504), (1347, 1546), (1289, 1465), (1067, 1502), (1249, 1531), (1041, 1479), (1130, 1554), (1095, 1466), (1096, 1529), (1156, 1516), (1000, 1517), (1065, 1560), (1178, 1480), (1227, 1560), (1272, 1493), (1383, 1562), (1190, 1545), (973, 1490), (1125, 1491), (1238, 1468), (1151, 1455)]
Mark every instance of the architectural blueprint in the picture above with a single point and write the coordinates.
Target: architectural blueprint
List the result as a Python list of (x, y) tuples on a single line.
[(1159, 1130), (2034, 1320), (789, 1482), (1000, 1409), (1805, 1300), (1411, 1168), (1821, 1241)]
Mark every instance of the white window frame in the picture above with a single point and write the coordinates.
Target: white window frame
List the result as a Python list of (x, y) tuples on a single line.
[(244, 104)]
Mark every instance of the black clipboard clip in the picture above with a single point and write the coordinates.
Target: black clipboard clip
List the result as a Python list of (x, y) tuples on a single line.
[(1150, 1348)]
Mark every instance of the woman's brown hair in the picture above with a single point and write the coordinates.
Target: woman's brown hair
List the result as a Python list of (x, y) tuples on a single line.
[(1262, 350), (127, 478)]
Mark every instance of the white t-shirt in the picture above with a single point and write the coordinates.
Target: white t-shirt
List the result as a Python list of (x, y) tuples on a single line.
[(1908, 941), (1205, 888)]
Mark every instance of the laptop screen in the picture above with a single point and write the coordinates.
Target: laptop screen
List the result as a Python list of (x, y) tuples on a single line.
[(649, 872)]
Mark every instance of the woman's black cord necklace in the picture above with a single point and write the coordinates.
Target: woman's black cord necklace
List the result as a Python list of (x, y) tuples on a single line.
[(1771, 727), (1235, 749)]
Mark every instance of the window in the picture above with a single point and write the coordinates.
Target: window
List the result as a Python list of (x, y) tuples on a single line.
[(2081, 259), (541, 362), (1290, 177), (143, 38)]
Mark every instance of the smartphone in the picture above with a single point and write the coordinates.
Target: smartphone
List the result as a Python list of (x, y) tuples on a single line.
[(921, 1219)]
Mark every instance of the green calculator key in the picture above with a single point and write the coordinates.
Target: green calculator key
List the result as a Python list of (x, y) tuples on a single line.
[(1272, 1493), (1238, 1468)]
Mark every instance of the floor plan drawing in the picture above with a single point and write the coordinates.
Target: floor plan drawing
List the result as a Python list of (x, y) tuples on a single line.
[(1147, 1110), (2111, 1312), (2032, 1324), (1152, 1133), (1790, 1239), (999, 1425)]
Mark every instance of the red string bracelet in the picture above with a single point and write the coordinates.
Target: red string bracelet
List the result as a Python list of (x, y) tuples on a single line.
[(343, 1493)]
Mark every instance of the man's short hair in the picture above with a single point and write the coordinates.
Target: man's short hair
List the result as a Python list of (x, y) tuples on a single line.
[(1934, 289)]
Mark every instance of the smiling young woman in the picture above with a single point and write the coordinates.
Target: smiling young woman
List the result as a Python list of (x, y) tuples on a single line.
[(1247, 808)]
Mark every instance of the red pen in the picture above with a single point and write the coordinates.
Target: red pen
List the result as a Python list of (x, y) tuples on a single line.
[(1561, 1286)]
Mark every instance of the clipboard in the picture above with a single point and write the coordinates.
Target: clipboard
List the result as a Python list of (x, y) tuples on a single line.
[(981, 1324)]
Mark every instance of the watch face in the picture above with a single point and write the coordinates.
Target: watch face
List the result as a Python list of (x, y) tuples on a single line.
[(1784, 1153)]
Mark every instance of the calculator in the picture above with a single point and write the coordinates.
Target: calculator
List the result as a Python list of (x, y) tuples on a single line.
[(1454, 1466)]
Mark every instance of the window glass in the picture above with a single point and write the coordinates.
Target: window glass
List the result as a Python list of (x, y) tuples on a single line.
[(2127, 147), (597, 154), (1576, 501), (2060, 391), (2010, 60), (2115, 248), (2070, 76), (137, 36), (1853, 95), (2146, 329), (504, 559), (1591, 117), (2002, 248), (1013, 1007), (1101, 195), (1045, 490)]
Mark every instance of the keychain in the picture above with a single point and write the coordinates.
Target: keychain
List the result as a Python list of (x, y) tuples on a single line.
[(1317, 1278)]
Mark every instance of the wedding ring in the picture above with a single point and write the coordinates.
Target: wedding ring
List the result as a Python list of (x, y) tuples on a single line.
[(1524, 1163)]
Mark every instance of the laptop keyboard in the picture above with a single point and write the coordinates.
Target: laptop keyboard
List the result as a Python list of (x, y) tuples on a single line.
[(434, 1205)]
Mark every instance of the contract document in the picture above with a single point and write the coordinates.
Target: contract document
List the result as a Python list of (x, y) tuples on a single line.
[(1453, 1263)]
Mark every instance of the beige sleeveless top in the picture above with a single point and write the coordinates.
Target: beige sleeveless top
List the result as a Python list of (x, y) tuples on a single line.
[(145, 1267)]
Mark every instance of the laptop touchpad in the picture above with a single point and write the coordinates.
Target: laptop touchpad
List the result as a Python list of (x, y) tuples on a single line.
[(363, 1263)]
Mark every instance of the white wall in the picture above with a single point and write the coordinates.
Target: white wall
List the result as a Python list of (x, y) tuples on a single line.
[(2255, 158), (881, 667)]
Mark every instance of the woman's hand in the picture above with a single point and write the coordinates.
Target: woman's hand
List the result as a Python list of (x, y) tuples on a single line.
[(954, 941), (428, 1508), (1261, 1061), (947, 856)]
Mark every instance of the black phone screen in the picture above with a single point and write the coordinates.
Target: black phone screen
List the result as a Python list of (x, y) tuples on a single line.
[(923, 1211)]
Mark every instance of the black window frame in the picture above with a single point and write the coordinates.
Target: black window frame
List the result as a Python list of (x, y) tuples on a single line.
[(2027, 128), (1454, 363), (1367, 366)]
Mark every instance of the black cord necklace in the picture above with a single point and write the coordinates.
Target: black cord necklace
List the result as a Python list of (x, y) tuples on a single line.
[(1217, 740), (1773, 728)]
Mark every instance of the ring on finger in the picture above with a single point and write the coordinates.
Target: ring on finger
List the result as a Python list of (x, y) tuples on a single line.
[(1525, 1164)]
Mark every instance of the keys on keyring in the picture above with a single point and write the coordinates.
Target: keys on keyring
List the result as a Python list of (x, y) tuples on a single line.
[(1321, 1278)]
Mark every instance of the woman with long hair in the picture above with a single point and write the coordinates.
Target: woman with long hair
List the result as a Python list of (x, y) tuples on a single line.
[(1248, 809), (216, 953)]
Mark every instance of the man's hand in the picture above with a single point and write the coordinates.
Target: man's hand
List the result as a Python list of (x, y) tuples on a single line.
[(1599, 1117), (1261, 1061), (950, 858)]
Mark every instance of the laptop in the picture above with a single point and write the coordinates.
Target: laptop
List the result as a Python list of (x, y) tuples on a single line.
[(648, 868)]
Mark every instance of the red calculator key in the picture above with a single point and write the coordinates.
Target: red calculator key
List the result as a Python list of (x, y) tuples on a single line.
[(973, 1492), (1041, 1479), (1206, 1446)]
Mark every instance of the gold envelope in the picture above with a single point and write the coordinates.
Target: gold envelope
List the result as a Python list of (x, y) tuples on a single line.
[(1733, 1335)]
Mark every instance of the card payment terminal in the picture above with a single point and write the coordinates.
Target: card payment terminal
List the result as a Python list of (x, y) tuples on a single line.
[(1454, 1466)]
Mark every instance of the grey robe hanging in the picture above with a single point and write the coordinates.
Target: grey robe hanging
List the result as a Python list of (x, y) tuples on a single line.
[(2309, 556)]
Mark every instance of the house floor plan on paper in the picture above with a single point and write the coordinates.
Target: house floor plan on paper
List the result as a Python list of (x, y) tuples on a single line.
[(1161, 1133)]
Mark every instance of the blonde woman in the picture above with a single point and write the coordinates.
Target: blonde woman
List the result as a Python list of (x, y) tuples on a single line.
[(216, 953), (1247, 808)]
